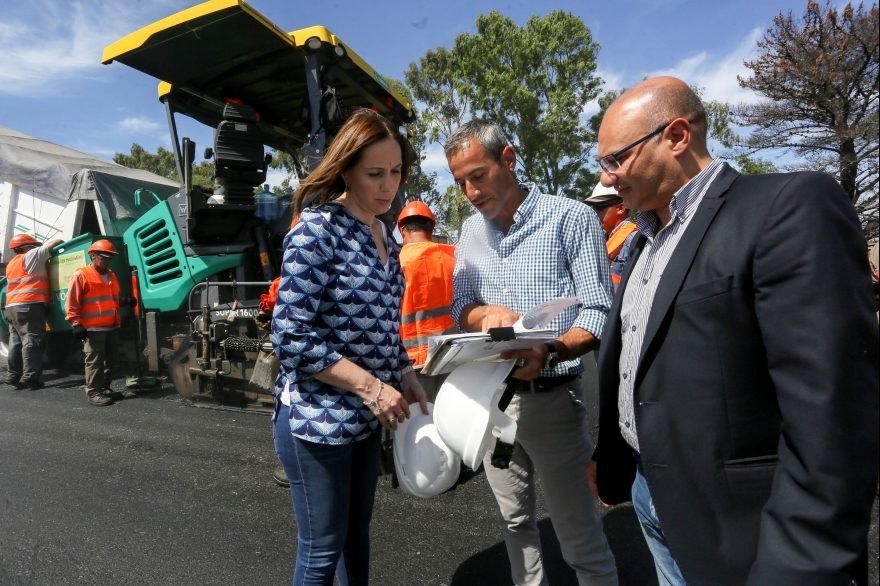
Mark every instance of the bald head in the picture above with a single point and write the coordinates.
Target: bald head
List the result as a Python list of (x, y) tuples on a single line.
[(655, 135), (660, 100)]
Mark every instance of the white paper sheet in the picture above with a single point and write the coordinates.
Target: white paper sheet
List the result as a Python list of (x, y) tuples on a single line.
[(541, 315)]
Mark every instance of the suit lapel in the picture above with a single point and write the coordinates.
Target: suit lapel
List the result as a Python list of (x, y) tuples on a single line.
[(680, 263), (611, 333)]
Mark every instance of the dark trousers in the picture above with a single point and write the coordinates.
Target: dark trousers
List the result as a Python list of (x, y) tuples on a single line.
[(332, 488), (27, 340), (101, 348)]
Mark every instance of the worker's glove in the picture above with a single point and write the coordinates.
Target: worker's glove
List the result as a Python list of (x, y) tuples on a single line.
[(79, 332)]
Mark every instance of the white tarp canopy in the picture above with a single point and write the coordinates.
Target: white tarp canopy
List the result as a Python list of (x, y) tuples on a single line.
[(69, 175)]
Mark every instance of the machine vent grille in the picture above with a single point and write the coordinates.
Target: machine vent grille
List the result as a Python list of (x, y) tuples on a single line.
[(160, 261)]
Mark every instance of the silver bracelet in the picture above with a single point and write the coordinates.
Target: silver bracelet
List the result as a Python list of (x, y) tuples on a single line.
[(406, 370), (375, 401)]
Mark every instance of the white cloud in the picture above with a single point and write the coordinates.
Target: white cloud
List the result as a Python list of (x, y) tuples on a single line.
[(611, 80), (435, 160), (137, 124), (717, 73), (55, 43)]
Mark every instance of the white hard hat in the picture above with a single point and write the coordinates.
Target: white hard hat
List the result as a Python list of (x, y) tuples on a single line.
[(467, 415), (425, 466), (602, 195)]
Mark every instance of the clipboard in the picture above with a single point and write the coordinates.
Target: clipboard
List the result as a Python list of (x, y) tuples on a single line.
[(447, 352)]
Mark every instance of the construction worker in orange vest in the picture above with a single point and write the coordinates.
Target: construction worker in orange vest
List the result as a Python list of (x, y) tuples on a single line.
[(27, 293), (93, 304), (427, 267), (619, 230)]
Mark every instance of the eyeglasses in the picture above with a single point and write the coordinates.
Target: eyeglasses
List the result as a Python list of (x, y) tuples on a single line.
[(598, 207), (610, 163)]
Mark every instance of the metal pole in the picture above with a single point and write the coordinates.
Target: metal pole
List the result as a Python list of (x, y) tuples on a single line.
[(315, 150), (175, 144)]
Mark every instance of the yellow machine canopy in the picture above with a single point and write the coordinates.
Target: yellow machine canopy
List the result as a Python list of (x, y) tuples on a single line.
[(225, 50)]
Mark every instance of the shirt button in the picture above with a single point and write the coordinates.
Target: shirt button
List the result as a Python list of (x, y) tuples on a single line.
[(503, 260), (645, 281), (634, 328), (627, 423), (624, 375), (504, 290)]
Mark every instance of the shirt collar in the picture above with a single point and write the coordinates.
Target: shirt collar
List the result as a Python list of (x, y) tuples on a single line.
[(525, 209), (683, 204)]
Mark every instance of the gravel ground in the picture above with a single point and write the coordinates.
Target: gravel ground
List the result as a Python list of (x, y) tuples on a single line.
[(154, 490)]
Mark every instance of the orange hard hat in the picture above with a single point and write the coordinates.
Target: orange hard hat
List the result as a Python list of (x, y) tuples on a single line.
[(415, 208), (23, 240), (102, 246)]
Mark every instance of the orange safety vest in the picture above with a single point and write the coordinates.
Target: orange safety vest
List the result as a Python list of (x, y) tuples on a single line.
[(615, 243), (267, 302), (24, 287), (99, 306), (427, 267)]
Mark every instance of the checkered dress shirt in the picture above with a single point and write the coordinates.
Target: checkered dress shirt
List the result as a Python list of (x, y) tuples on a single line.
[(642, 285), (555, 248)]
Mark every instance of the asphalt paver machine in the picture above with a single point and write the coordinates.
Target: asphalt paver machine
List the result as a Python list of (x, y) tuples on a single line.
[(202, 258)]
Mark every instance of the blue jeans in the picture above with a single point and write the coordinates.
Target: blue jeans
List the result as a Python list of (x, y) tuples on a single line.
[(332, 488), (668, 573)]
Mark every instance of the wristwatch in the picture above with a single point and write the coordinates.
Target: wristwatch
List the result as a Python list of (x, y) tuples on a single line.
[(552, 356), (406, 370)]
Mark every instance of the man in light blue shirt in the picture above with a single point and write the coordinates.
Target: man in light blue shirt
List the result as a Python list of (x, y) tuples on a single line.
[(522, 249)]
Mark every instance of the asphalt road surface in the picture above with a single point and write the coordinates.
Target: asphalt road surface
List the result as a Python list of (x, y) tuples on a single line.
[(153, 490)]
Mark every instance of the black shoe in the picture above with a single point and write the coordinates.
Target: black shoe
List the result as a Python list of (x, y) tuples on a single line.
[(280, 478), (115, 395), (35, 385), (13, 382), (99, 400)]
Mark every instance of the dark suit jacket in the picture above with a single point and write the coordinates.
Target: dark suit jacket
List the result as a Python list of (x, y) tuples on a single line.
[(756, 396)]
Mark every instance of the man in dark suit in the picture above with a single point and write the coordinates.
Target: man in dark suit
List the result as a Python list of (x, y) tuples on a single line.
[(739, 364)]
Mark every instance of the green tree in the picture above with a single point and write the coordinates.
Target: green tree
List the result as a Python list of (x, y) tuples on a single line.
[(162, 163), (290, 164), (819, 75), (436, 83), (451, 208), (535, 82)]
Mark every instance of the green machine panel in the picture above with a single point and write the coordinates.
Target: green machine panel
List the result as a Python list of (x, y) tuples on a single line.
[(166, 275)]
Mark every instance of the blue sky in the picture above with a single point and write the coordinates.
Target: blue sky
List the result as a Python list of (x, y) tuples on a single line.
[(53, 86)]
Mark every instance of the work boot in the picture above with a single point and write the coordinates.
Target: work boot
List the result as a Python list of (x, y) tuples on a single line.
[(280, 478), (114, 395), (13, 381), (99, 400), (33, 385)]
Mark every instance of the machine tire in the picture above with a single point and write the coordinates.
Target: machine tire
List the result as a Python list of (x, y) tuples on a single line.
[(4, 344)]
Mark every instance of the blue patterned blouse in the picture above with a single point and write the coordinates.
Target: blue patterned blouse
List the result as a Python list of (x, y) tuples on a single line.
[(335, 300)]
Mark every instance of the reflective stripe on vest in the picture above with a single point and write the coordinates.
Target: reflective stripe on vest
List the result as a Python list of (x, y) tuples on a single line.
[(25, 287), (424, 312), (99, 306)]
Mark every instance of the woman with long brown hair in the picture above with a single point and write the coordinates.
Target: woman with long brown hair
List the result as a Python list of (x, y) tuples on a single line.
[(335, 329)]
